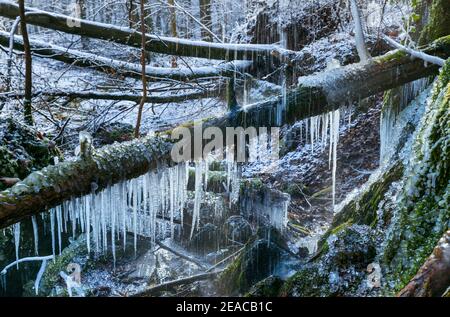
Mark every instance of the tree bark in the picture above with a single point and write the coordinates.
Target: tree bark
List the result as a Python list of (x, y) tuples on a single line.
[(82, 7), (361, 46), (28, 116), (111, 66), (205, 19), (127, 36), (173, 26), (98, 95), (315, 95), (132, 16), (181, 281), (433, 278), (143, 72)]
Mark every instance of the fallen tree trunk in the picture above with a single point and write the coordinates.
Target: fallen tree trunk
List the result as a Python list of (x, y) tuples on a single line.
[(179, 254), (119, 96), (433, 278), (182, 281), (111, 164), (330, 90), (127, 69), (127, 36)]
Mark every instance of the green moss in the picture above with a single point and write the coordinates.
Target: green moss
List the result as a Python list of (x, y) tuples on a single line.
[(363, 208), (395, 55), (255, 263), (307, 282), (51, 276), (424, 211), (269, 287), (438, 22)]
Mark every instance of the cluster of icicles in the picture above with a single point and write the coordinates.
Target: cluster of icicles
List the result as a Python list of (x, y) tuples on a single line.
[(321, 131), (149, 206)]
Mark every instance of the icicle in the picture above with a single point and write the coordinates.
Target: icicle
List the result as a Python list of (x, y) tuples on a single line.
[(113, 198), (197, 197), (39, 276), (52, 230), (235, 183), (87, 216), (35, 234), (311, 132), (336, 122), (172, 200), (135, 207), (330, 152), (124, 213), (59, 227), (95, 219), (73, 217), (16, 229)]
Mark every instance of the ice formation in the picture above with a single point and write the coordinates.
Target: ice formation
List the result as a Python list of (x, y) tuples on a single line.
[(320, 131), (147, 206), (390, 114), (16, 229), (35, 234)]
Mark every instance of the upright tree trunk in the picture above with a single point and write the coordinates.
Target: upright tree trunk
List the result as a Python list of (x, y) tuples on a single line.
[(28, 66), (361, 46), (173, 26), (82, 11), (132, 16), (205, 18), (144, 77)]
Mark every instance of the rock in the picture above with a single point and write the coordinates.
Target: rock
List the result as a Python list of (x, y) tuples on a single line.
[(268, 287), (22, 150), (341, 268), (259, 260), (236, 228), (296, 28), (217, 256), (205, 240)]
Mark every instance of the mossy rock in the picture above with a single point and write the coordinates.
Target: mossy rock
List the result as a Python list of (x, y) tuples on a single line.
[(75, 253), (256, 262), (340, 268), (362, 209), (205, 240), (22, 150), (268, 287), (424, 209), (238, 229), (438, 21), (307, 282), (114, 132)]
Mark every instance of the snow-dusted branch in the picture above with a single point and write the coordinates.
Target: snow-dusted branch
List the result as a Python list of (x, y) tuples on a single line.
[(83, 59), (28, 259), (119, 96), (182, 281), (415, 53), (130, 37)]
